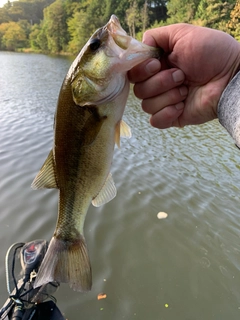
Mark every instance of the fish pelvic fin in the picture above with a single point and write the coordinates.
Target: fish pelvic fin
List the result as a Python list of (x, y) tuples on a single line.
[(122, 130), (66, 262), (46, 177), (125, 130)]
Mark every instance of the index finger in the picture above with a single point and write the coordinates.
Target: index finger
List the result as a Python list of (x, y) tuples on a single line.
[(144, 70)]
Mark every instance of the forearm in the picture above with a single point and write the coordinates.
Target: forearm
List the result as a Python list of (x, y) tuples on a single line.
[(229, 108)]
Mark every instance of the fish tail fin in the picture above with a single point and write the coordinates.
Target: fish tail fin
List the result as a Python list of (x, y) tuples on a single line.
[(67, 262)]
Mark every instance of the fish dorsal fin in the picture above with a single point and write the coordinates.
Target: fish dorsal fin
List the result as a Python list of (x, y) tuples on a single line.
[(46, 177), (122, 130), (106, 194)]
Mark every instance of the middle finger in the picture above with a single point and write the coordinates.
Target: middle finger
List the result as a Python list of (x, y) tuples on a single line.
[(159, 83)]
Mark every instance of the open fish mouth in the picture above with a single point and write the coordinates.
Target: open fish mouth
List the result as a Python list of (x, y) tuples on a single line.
[(119, 35), (121, 38), (126, 48)]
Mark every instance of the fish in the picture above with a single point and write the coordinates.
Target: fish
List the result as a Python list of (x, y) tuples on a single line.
[(87, 125)]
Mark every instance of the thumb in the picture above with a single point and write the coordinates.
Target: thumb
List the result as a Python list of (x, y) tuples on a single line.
[(165, 37), (158, 37)]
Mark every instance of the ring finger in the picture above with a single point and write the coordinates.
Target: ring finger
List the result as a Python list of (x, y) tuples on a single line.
[(171, 97)]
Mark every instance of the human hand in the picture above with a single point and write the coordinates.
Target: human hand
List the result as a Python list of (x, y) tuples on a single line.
[(186, 86)]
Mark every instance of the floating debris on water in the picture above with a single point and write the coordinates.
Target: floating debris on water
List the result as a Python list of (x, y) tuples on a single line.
[(101, 296), (162, 215)]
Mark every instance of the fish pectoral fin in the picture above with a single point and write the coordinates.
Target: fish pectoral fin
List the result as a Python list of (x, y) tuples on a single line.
[(46, 177), (92, 127), (106, 194), (122, 130)]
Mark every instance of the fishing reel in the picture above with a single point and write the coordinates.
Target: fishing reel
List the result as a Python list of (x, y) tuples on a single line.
[(26, 302)]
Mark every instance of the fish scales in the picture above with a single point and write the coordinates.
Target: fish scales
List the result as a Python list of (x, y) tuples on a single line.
[(81, 172)]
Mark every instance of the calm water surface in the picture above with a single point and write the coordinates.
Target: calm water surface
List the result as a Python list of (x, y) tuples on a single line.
[(189, 262)]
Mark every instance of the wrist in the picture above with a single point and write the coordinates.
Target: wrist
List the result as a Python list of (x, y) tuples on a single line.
[(237, 64)]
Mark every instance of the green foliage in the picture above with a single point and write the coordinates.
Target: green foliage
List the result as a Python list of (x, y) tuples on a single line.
[(4, 16), (132, 18), (181, 11), (214, 13), (208, 13), (30, 10), (12, 36), (77, 30), (87, 16), (234, 23), (55, 26), (65, 25), (34, 39)]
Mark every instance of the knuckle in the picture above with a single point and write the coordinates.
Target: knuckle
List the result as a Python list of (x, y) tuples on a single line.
[(137, 89), (175, 96), (145, 106)]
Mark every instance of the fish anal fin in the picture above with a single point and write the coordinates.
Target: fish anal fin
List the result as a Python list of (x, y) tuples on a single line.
[(122, 130), (46, 177), (66, 262), (106, 194)]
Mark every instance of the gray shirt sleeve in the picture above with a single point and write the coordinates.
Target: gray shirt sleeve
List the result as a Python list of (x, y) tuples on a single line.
[(229, 108)]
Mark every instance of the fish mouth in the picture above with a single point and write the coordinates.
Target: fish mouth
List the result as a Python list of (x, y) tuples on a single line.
[(114, 24), (119, 35), (129, 49)]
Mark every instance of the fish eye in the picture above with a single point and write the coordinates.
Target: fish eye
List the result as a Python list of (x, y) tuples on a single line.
[(95, 44)]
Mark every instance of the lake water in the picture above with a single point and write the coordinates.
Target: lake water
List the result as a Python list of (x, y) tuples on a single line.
[(184, 267)]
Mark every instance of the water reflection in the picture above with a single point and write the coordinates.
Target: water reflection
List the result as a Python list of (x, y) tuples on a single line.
[(189, 261)]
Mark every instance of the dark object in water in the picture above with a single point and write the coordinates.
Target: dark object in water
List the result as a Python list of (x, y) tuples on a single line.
[(25, 302)]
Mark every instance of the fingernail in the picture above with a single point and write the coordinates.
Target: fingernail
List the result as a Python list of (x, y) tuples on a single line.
[(183, 91), (179, 105), (178, 76), (153, 66)]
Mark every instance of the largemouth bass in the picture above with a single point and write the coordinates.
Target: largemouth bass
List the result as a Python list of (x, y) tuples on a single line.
[(88, 123)]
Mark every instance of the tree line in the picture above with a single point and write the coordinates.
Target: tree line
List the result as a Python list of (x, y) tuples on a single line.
[(62, 26)]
